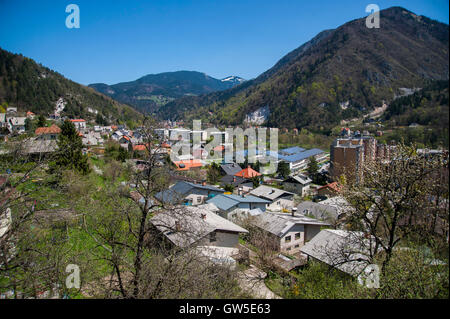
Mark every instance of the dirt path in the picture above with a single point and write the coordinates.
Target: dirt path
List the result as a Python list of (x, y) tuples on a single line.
[(252, 281)]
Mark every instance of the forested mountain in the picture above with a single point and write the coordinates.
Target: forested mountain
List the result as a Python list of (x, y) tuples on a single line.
[(425, 114), (152, 91), (341, 73), (32, 87), (428, 106)]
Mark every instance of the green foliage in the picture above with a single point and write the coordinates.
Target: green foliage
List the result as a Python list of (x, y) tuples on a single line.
[(100, 120), (3, 107), (30, 86), (313, 167), (29, 127), (429, 108), (317, 281), (256, 180), (213, 173), (42, 122), (165, 88), (414, 273), (69, 154), (115, 151), (305, 87), (228, 188), (283, 169)]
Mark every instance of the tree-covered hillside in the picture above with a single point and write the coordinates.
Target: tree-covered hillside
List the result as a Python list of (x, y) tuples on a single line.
[(32, 87), (422, 117), (150, 92), (340, 74)]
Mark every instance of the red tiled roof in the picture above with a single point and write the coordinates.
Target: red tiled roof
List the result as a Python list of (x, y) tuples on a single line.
[(334, 186), (165, 145), (187, 164), (77, 120), (247, 173), (48, 130), (219, 148), (139, 147)]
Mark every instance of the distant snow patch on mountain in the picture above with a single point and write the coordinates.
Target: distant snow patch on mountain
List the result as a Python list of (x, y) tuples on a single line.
[(233, 79)]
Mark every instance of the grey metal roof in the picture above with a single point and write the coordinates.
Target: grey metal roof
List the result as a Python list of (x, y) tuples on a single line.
[(270, 193), (302, 155), (255, 212), (234, 180), (279, 224), (291, 150), (318, 210), (225, 202), (231, 169), (345, 250), (181, 189), (191, 225), (35, 146), (301, 179)]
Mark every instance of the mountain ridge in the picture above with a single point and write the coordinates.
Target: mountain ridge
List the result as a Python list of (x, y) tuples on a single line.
[(307, 87), (30, 86), (151, 91)]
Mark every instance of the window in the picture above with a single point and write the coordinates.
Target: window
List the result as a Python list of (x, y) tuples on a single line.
[(199, 199), (212, 237), (297, 236), (289, 248), (296, 246), (287, 239)]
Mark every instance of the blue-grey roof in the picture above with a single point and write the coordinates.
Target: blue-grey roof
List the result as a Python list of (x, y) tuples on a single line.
[(225, 202), (291, 150), (184, 187), (231, 168), (291, 154), (301, 156), (169, 196), (180, 190), (235, 180)]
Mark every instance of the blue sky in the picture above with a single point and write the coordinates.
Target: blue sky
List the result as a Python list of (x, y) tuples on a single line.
[(122, 40)]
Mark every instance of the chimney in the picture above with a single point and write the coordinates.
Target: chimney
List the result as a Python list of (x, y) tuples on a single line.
[(204, 183), (177, 225), (240, 191), (234, 179), (294, 210), (203, 216)]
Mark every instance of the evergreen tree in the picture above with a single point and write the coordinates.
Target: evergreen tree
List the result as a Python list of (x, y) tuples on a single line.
[(70, 154), (42, 122), (283, 169), (313, 167), (29, 125), (213, 174), (229, 188), (256, 180), (123, 154)]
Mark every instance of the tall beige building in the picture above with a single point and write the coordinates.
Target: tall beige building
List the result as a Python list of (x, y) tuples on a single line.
[(348, 155), (346, 158)]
